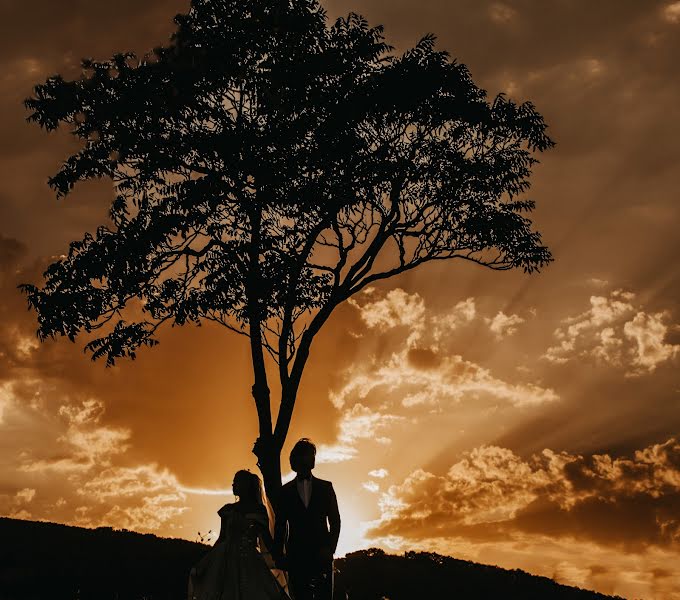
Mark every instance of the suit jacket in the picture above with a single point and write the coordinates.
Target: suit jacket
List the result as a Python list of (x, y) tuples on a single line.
[(307, 531)]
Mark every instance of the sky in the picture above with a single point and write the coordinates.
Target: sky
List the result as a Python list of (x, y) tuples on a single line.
[(526, 421)]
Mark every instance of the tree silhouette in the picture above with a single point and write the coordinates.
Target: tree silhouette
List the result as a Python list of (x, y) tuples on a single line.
[(267, 166)]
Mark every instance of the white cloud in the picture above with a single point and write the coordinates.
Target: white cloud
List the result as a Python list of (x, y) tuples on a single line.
[(462, 313), (609, 347), (86, 444), (449, 381), (400, 309), (90, 411), (395, 309), (147, 514), (357, 423), (141, 498), (648, 332), (503, 325), (123, 482), (488, 485), (371, 486), (616, 332), (671, 12), (602, 311), (205, 491), (25, 495), (334, 453), (379, 473)]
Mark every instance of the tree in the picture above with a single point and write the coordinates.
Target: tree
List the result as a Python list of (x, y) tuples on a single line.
[(267, 166)]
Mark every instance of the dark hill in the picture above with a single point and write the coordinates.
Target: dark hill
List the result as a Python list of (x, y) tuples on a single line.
[(374, 575), (48, 561)]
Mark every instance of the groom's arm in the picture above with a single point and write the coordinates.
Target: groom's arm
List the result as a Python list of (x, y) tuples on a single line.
[(333, 519)]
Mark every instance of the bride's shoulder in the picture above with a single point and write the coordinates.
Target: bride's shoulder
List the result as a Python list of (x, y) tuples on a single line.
[(225, 510)]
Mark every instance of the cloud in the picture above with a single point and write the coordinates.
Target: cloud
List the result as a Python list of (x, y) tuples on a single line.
[(413, 378), (59, 459), (371, 486), (16, 507), (84, 445), (492, 493), (503, 325), (4, 400), (434, 381), (501, 13), (395, 309), (648, 332), (462, 313), (379, 473), (617, 332), (11, 250), (25, 495), (609, 348), (356, 424), (671, 12), (143, 497), (335, 453), (401, 309), (78, 470)]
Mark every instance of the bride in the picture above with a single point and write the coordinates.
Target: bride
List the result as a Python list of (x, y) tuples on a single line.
[(238, 566)]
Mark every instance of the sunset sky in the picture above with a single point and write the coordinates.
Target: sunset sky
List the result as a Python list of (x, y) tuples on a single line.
[(524, 421)]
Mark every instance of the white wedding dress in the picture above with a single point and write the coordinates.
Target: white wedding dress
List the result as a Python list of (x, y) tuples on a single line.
[(236, 567)]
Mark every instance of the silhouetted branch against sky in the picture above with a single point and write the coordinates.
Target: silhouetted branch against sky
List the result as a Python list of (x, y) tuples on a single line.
[(267, 165)]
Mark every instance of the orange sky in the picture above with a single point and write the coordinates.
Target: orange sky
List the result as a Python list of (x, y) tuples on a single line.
[(527, 421)]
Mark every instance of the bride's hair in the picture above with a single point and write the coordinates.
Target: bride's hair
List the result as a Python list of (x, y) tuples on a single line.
[(254, 490)]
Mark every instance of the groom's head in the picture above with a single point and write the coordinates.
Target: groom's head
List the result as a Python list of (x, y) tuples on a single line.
[(303, 456)]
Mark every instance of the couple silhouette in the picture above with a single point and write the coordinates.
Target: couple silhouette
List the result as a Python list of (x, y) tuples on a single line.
[(254, 560)]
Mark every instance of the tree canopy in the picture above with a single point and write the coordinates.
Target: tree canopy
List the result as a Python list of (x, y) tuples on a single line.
[(268, 165)]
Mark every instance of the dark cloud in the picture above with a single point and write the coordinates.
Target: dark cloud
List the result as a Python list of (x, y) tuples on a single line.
[(39, 40), (423, 358), (11, 251), (493, 494), (649, 520), (63, 33)]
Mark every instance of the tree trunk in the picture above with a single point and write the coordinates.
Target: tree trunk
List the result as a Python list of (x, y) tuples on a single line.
[(267, 451), (268, 447), (268, 454)]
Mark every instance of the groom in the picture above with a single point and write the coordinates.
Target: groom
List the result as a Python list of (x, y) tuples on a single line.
[(309, 508)]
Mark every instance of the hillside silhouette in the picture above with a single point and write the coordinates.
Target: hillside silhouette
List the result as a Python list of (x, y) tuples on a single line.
[(374, 575), (49, 561)]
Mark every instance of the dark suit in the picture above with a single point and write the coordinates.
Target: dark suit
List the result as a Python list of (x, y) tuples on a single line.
[(311, 540)]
